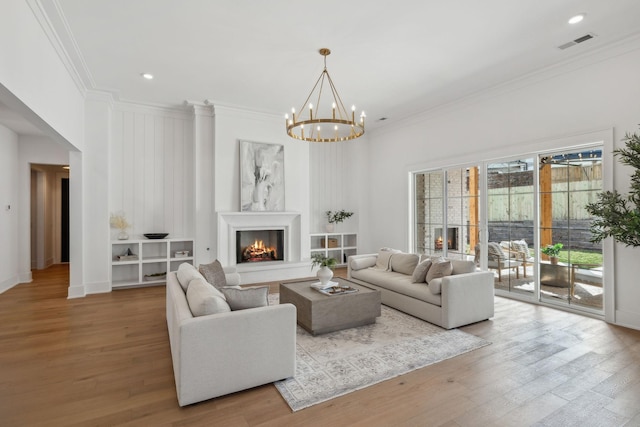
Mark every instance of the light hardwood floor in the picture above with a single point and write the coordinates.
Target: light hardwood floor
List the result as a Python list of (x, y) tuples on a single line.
[(104, 360)]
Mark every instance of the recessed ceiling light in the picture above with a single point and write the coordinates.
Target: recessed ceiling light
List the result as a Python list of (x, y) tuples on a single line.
[(147, 76), (576, 19)]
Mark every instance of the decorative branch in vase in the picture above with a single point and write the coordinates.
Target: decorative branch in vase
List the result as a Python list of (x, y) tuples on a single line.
[(336, 218), (119, 221)]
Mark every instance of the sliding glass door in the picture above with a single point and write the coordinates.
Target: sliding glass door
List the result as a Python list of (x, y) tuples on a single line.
[(510, 214), (568, 181), (530, 205)]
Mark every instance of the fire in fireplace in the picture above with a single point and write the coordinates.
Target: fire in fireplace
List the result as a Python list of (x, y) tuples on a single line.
[(259, 245), (452, 238)]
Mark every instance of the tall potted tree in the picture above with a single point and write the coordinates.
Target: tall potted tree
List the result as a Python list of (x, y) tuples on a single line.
[(616, 215)]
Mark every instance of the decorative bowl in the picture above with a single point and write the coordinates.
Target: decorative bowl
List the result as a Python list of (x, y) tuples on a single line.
[(155, 235)]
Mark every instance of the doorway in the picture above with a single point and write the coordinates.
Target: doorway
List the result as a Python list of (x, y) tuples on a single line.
[(49, 215)]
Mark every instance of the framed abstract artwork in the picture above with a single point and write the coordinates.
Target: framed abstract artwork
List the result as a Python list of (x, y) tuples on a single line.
[(261, 176)]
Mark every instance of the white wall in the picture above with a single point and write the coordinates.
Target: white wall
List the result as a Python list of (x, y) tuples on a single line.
[(516, 118), (32, 69), (9, 212)]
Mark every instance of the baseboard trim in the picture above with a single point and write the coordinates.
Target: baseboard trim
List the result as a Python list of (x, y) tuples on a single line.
[(76, 292), (5, 285), (628, 319), (97, 288), (26, 277)]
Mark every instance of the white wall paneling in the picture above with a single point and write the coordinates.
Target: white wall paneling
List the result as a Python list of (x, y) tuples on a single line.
[(151, 170)]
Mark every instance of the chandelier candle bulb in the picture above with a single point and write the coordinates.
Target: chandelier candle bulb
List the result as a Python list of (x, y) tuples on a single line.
[(333, 112)]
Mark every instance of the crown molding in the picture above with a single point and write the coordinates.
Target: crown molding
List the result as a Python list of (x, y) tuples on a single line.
[(222, 108), (49, 16)]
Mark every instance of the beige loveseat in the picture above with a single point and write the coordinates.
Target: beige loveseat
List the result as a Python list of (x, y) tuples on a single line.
[(465, 296), (222, 353)]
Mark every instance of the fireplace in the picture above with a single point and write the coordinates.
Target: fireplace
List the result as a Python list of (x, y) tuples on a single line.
[(452, 238), (259, 246)]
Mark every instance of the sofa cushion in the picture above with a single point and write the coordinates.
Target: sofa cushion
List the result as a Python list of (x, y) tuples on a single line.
[(439, 268), (204, 299), (404, 263), (243, 298), (214, 273), (186, 273), (420, 272), (461, 266), (399, 283), (360, 263)]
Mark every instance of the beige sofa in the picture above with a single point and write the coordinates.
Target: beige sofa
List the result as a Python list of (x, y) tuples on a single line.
[(222, 353), (464, 297)]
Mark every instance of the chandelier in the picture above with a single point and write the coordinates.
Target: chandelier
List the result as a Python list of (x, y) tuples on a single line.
[(324, 122)]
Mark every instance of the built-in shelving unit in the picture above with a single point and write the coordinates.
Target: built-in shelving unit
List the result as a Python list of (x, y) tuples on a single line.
[(335, 245), (151, 257)]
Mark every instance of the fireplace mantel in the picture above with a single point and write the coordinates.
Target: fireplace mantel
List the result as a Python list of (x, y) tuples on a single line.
[(230, 222)]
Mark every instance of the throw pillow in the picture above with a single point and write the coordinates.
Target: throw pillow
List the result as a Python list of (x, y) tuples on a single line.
[(243, 298), (435, 286), (186, 273), (461, 266), (420, 273), (404, 263), (439, 268), (384, 257), (214, 274), (360, 263), (204, 299), (521, 247), (495, 252)]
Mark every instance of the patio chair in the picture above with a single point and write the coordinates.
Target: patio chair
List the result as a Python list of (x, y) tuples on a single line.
[(519, 250), (498, 260)]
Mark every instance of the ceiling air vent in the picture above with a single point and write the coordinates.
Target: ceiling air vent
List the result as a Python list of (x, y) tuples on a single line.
[(576, 41)]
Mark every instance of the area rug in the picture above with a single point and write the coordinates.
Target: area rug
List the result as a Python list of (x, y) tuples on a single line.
[(337, 363)]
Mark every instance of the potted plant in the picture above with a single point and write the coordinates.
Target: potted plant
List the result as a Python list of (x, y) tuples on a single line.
[(616, 215), (336, 218), (326, 264), (552, 251)]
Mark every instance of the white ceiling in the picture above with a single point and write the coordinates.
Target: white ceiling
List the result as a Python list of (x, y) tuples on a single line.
[(391, 59)]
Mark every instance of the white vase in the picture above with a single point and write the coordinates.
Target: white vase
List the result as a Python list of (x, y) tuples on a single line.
[(123, 235), (330, 227), (325, 274)]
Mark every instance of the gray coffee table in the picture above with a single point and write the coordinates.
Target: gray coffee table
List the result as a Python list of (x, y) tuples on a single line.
[(319, 313)]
